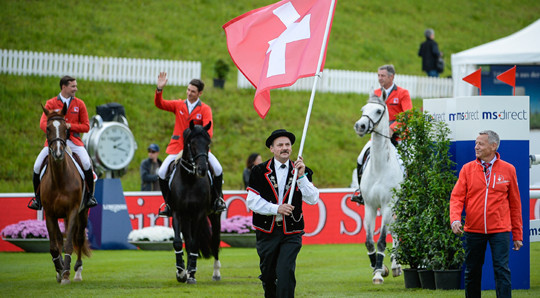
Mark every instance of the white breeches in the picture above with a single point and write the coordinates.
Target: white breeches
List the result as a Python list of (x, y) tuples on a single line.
[(368, 145), (79, 150), (214, 163)]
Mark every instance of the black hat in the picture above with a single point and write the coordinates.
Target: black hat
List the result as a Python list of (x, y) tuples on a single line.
[(280, 133), (153, 147)]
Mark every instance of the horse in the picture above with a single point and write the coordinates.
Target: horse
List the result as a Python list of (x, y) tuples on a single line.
[(382, 173), (190, 201), (62, 188)]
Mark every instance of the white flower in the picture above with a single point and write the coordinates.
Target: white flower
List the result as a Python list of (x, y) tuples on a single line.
[(156, 233)]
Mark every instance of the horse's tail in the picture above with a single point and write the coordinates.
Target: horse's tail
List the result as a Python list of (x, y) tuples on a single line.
[(205, 239)]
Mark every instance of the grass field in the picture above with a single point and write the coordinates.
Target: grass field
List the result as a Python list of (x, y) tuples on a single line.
[(334, 270)]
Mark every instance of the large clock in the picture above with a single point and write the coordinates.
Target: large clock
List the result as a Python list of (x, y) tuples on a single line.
[(111, 145)]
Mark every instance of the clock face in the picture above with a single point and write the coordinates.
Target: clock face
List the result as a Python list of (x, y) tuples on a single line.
[(115, 146)]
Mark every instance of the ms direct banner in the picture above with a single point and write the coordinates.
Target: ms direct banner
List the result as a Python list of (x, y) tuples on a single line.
[(509, 117)]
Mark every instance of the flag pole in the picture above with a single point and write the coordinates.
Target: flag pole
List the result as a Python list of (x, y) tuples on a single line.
[(313, 90)]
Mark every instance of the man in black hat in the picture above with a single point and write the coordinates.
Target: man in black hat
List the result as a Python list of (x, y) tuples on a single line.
[(279, 225), (149, 170)]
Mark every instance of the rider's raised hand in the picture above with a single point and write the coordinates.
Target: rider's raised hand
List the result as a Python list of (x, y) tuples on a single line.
[(162, 80)]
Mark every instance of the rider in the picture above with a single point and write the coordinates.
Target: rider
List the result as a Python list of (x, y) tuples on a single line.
[(185, 111), (77, 123), (397, 101)]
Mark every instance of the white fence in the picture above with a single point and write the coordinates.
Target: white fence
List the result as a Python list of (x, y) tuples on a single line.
[(345, 81), (109, 69)]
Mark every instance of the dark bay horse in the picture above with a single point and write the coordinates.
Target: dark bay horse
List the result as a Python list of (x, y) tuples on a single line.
[(190, 200), (61, 195)]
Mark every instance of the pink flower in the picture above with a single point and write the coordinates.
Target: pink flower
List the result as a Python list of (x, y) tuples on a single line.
[(237, 224), (31, 228)]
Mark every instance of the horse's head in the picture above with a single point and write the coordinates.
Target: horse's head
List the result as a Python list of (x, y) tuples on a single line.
[(372, 113), (196, 146), (57, 132)]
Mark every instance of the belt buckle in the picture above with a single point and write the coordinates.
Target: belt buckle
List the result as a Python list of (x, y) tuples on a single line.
[(279, 223)]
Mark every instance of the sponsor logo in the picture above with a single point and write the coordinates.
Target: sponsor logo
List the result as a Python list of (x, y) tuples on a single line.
[(114, 207), (500, 179), (520, 115)]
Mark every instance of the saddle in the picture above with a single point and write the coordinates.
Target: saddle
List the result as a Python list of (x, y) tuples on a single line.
[(172, 168), (76, 159)]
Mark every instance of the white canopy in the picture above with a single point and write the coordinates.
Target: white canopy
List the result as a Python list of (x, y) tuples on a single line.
[(522, 47)]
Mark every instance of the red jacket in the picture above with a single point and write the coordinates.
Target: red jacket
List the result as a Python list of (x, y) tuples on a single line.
[(77, 116), (201, 114), (397, 101), (494, 209)]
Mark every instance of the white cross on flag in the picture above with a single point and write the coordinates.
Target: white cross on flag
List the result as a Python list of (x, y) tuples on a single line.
[(275, 45)]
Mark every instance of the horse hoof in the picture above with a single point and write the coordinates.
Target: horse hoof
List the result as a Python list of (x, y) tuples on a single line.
[(377, 278), (396, 272), (216, 278), (191, 281), (58, 277), (65, 282), (78, 275), (181, 276), (385, 271)]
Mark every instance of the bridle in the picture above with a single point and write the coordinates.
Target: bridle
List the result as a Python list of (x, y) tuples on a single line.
[(57, 139), (375, 123), (190, 165)]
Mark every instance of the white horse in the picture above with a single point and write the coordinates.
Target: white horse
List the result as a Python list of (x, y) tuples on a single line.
[(381, 174)]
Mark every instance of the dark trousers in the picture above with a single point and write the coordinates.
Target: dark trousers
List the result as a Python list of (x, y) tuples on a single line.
[(277, 253), (475, 250)]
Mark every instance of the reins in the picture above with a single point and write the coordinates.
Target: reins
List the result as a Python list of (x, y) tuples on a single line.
[(189, 165)]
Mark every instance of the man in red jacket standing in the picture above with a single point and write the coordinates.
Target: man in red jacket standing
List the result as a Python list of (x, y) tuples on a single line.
[(487, 189), (185, 111), (398, 100), (77, 123)]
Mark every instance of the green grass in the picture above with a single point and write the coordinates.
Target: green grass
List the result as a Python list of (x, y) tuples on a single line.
[(334, 270), (365, 35)]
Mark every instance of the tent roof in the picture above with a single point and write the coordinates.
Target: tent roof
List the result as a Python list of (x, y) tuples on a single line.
[(518, 48)]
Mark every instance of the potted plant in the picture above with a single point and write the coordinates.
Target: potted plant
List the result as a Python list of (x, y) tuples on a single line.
[(422, 211), (152, 238), (221, 69), (237, 231), (30, 235)]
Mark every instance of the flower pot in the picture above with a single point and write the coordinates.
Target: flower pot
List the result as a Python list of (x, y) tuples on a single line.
[(410, 276), (448, 279), (219, 83), (153, 245), (239, 240), (427, 279), (31, 244)]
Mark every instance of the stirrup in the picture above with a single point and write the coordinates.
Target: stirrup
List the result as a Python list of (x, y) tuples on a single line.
[(166, 212), (219, 205), (357, 197), (91, 201), (34, 204)]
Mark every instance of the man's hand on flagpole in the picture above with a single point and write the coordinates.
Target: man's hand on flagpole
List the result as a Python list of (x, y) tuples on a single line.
[(162, 80), (300, 166)]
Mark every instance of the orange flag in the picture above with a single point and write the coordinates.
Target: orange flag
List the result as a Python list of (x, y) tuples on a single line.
[(475, 79), (509, 77)]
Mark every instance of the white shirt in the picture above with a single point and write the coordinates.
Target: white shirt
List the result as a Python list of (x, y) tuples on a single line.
[(191, 106), (64, 100), (310, 195), (389, 89)]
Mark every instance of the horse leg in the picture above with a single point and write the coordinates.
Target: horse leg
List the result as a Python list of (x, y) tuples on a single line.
[(369, 223), (80, 245), (181, 273), (54, 231), (215, 220), (70, 229), (396, 268)]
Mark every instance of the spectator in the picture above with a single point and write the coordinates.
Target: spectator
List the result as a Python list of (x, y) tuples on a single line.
[(429, 51), (149, 169), (253, 160)]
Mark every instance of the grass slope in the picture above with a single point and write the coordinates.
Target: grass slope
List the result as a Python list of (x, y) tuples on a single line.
[(364, 36), (333, 270)]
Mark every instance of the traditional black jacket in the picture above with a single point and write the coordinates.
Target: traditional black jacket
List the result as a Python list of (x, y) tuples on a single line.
[(263, 181)]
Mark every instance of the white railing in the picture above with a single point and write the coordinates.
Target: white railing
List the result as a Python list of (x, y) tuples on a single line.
[(346, 81), (109, 69)]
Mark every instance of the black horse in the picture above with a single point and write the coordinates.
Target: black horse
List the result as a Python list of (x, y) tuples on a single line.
[(190, 200)]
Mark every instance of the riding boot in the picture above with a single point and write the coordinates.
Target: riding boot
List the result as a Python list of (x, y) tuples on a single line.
[(164, 186), (219, 204), (90, 200), (35, 203), (357, 195)]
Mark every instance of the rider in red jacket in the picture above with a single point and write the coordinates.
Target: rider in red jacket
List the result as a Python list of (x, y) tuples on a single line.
[(77, 122)]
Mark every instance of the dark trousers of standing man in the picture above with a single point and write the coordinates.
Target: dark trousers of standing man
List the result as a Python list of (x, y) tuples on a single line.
[(277, 253), (475, 250)]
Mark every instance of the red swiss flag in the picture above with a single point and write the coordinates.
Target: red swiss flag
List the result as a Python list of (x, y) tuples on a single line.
[(275, 45)]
